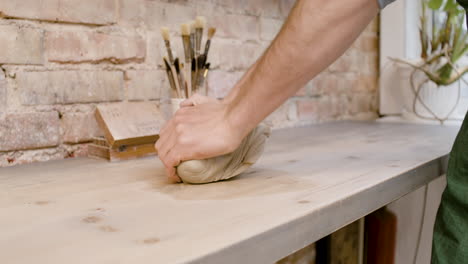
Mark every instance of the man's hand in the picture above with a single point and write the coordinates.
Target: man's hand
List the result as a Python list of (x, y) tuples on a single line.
[(200, 129), (315, 34)]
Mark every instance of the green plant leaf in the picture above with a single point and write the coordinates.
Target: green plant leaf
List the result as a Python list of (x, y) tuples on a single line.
[(451, 6), (434, 4), (442, 43)]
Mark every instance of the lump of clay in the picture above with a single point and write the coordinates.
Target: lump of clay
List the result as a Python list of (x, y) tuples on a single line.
[(229, 165)]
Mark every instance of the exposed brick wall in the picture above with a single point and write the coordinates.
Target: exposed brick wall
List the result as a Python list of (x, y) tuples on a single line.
[(60, 58)]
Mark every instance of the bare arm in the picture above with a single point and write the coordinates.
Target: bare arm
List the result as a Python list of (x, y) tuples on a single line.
[(316, 33)]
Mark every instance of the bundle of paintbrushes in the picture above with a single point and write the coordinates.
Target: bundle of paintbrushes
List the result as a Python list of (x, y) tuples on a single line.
[(188, 77)]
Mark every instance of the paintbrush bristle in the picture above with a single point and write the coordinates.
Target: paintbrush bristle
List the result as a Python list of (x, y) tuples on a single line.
[(211, 32), (165, 33), (192, 26), (200, 22), (185, 29)]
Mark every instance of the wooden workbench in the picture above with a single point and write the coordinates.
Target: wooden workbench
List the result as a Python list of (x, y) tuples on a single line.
[(310, 182)]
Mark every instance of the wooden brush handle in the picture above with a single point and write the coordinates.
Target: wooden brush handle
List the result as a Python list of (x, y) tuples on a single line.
[(176, 82), (189, 79), (207, 48)]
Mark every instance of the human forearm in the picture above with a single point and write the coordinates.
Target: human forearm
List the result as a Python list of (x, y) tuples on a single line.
[(316, 33)]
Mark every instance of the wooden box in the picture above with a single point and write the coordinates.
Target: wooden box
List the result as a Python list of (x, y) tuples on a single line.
[(130, 131)]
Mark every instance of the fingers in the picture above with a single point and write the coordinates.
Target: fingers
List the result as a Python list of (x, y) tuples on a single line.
[(165, 147), (187, 103), (196, 99), (165, 128), (165, 144), (171, 160)]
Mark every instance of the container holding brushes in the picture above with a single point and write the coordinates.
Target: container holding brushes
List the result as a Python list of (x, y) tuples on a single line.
[(187, 75)]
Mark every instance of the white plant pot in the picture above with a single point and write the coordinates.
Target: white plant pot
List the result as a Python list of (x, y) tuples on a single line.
[(439, 99)]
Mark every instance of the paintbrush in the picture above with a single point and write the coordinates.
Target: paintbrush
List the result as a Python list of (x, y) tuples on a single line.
[(211, 33), (194, 55), (167, 41), (170, 76), (165, 35), (202, 77), (194, 75), (184, 78), (200, 23), (185, 30), (192, 39), (180, 75), (201, 61), (198, 28)]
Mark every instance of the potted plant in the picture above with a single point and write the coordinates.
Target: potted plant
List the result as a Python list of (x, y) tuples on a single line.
[(435, 79)]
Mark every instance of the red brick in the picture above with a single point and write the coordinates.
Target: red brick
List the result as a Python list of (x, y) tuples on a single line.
[(264, 8), (237, 26), (79, 127), (20, 45), (308, 109), (156, 49), (362, 102), (231, 6), (71, 46), (98, 12), (29, 130), (285, 7), (373, 26), (327, 84), (343, 63), (131, 12), (147, 85), (302, 91), (371, 63), (365, 83), (158, 14), (155, 14), (65, 87), (230, 55), (367, 43), (3, 93), (16, 157), (269, 28), (284, 116), (323, 109), (310, 89), (220, 83)]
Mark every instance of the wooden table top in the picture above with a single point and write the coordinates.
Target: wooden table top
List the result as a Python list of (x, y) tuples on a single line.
[(310, 182)]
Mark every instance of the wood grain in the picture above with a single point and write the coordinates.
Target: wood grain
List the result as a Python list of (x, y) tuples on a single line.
[(124, 152), (310, 182), (129, 123)]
